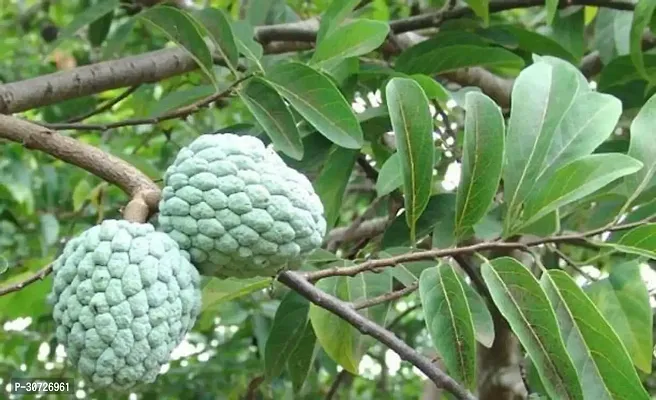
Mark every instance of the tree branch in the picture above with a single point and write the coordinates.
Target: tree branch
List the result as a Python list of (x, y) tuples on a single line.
[(42, 273), (158, 65), (143, 191), (105, 106), (295, 281), (383, 298), (181, 112), (372, 265)]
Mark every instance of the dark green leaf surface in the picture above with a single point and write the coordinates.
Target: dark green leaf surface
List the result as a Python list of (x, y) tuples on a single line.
[(274, 116), (86, 17), (413, 128), (337, 337), (449, 321), (352, 39), (390, 176), (286, 333), (644, 10), (334, 15), (301, 358), (642, 147), (317, 99), (482, 160), (181, 29), (332, 181), (523, 303), (218, 26), (449, 58)]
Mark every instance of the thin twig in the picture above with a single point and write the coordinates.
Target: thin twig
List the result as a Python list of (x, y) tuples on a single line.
[(397, 294), (402, 315), (41, 274), (371, 265), (297, 282), (571, 263), (334, 387), (105, 106), (253, 385), (181, 112)]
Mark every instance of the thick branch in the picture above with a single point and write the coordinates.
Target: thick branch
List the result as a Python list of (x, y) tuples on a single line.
[(345, 311), (158, 65), (106, 166)]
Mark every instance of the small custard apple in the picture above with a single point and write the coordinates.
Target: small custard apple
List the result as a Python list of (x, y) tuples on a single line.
[(124, 296), (238, 209)]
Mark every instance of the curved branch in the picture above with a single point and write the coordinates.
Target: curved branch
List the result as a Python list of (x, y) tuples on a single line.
[(41, 274), (142, 190), (296, 282), (377, 264), (158, 65)]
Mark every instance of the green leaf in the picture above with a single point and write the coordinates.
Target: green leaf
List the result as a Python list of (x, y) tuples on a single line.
[(336, 12), (331, 183), (274, 116), (352, 39), (246, 44), (218, 26), (577, 180), (81, 194), (481, 9), (413, 128), (523, 303), (218, 291), (336, 336), (552, 10), (433, 89), (179, 98), (541, 95), (642, 147), (319, 101), (533, 42), (568, 31), (99, 29), (640, 241), (482, 160), (49, 228), (390, 177), (180, 28), (623, 300), (302, 357), (588, 122), (444, 225), (449, 321), (117, 40), (603, 364), (89, 15), (436, 60), (483, 324), (366, 286), (642, 15), (612, 30), (286, 333)]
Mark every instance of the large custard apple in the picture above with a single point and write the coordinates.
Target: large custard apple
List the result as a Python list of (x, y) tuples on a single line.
[(238, 209), (124, 296)]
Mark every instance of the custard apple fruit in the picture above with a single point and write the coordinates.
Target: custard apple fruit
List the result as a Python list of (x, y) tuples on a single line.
[(124, 296), (238, 209)]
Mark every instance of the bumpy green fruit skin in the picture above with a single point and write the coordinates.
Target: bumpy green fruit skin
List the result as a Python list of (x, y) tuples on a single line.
[(238, 209), (124, 296)]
